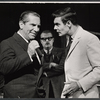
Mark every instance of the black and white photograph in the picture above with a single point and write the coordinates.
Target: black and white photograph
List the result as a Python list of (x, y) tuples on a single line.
[(49, 49)]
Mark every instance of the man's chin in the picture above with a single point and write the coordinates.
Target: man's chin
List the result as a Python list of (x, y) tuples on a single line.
[(47, 47), (60, 34)]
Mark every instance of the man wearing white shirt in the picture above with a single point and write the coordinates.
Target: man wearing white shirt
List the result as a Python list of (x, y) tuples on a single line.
[(82, 63), (53, 66)]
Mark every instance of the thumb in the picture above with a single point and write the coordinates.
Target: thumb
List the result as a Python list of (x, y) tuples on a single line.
[(35, 43)]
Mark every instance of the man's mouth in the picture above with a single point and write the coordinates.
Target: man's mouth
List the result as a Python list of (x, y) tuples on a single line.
[(47, 43), (58, 32), (33, 34)]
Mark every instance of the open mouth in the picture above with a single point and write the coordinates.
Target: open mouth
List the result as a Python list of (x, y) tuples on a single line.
[(58, 32)]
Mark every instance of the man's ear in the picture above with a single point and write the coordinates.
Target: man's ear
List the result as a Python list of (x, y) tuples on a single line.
[(69, 23), (21, 24)]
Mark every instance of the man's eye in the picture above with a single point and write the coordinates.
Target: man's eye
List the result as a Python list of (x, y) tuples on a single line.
[(33, 24), (57, 24), (38, 26)]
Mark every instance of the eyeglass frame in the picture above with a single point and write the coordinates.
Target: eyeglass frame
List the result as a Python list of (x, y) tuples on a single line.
[(49, 38)]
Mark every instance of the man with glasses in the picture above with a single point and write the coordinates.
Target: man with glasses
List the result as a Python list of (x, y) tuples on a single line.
[(53, 66)]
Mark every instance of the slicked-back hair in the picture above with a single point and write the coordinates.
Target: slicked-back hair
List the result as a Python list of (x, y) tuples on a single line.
[(25, 14), (66, 14), (47, 31)]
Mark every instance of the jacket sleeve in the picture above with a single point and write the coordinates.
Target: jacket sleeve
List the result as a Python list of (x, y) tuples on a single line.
[(9, 61), (93, 53), (58, 70)]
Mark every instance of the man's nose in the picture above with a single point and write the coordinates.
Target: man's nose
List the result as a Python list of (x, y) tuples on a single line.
[(47, 40), (55, 27)]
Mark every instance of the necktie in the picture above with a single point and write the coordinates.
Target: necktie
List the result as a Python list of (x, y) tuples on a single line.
[(68, 46), (47, 56), (47, 51)]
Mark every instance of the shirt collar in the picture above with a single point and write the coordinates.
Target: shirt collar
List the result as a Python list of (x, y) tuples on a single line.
[(22, 36), (75, 33)]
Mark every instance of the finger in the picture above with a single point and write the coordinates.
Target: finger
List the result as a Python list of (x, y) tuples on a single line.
[(71, 92), (66, 92), (66, 87)]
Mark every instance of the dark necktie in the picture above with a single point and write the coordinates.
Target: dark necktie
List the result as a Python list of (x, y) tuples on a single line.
[(47, 56), (47, 51), (68, 46)]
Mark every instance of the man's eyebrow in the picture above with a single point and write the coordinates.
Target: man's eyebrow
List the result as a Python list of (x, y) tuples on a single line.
[(35, 25), (56, 23)]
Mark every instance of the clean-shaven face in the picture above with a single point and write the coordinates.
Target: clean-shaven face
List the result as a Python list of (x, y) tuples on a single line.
[(61, 28), (32, 27)]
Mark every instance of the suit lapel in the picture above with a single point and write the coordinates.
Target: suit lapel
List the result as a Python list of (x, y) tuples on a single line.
[(20, 41), (75, 41)]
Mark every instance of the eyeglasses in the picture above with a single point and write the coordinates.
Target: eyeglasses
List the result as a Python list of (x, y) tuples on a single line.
[(49, 38)]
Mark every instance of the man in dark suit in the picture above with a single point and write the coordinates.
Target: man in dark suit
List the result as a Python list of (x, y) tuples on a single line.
[(19, 61), (52, 71)]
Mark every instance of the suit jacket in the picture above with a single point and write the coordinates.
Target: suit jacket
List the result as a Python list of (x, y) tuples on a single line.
[(82, 64), (16, 66), (55, 75)]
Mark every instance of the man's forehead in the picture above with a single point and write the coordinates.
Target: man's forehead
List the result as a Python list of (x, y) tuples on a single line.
[(46, 34), (57, 19), (33, 17)]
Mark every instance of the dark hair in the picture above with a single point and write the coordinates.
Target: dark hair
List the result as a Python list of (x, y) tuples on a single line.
[(47, 31), (66, 14), (24, 15)]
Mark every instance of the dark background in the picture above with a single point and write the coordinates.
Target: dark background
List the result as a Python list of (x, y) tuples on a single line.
[(88, 15)]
